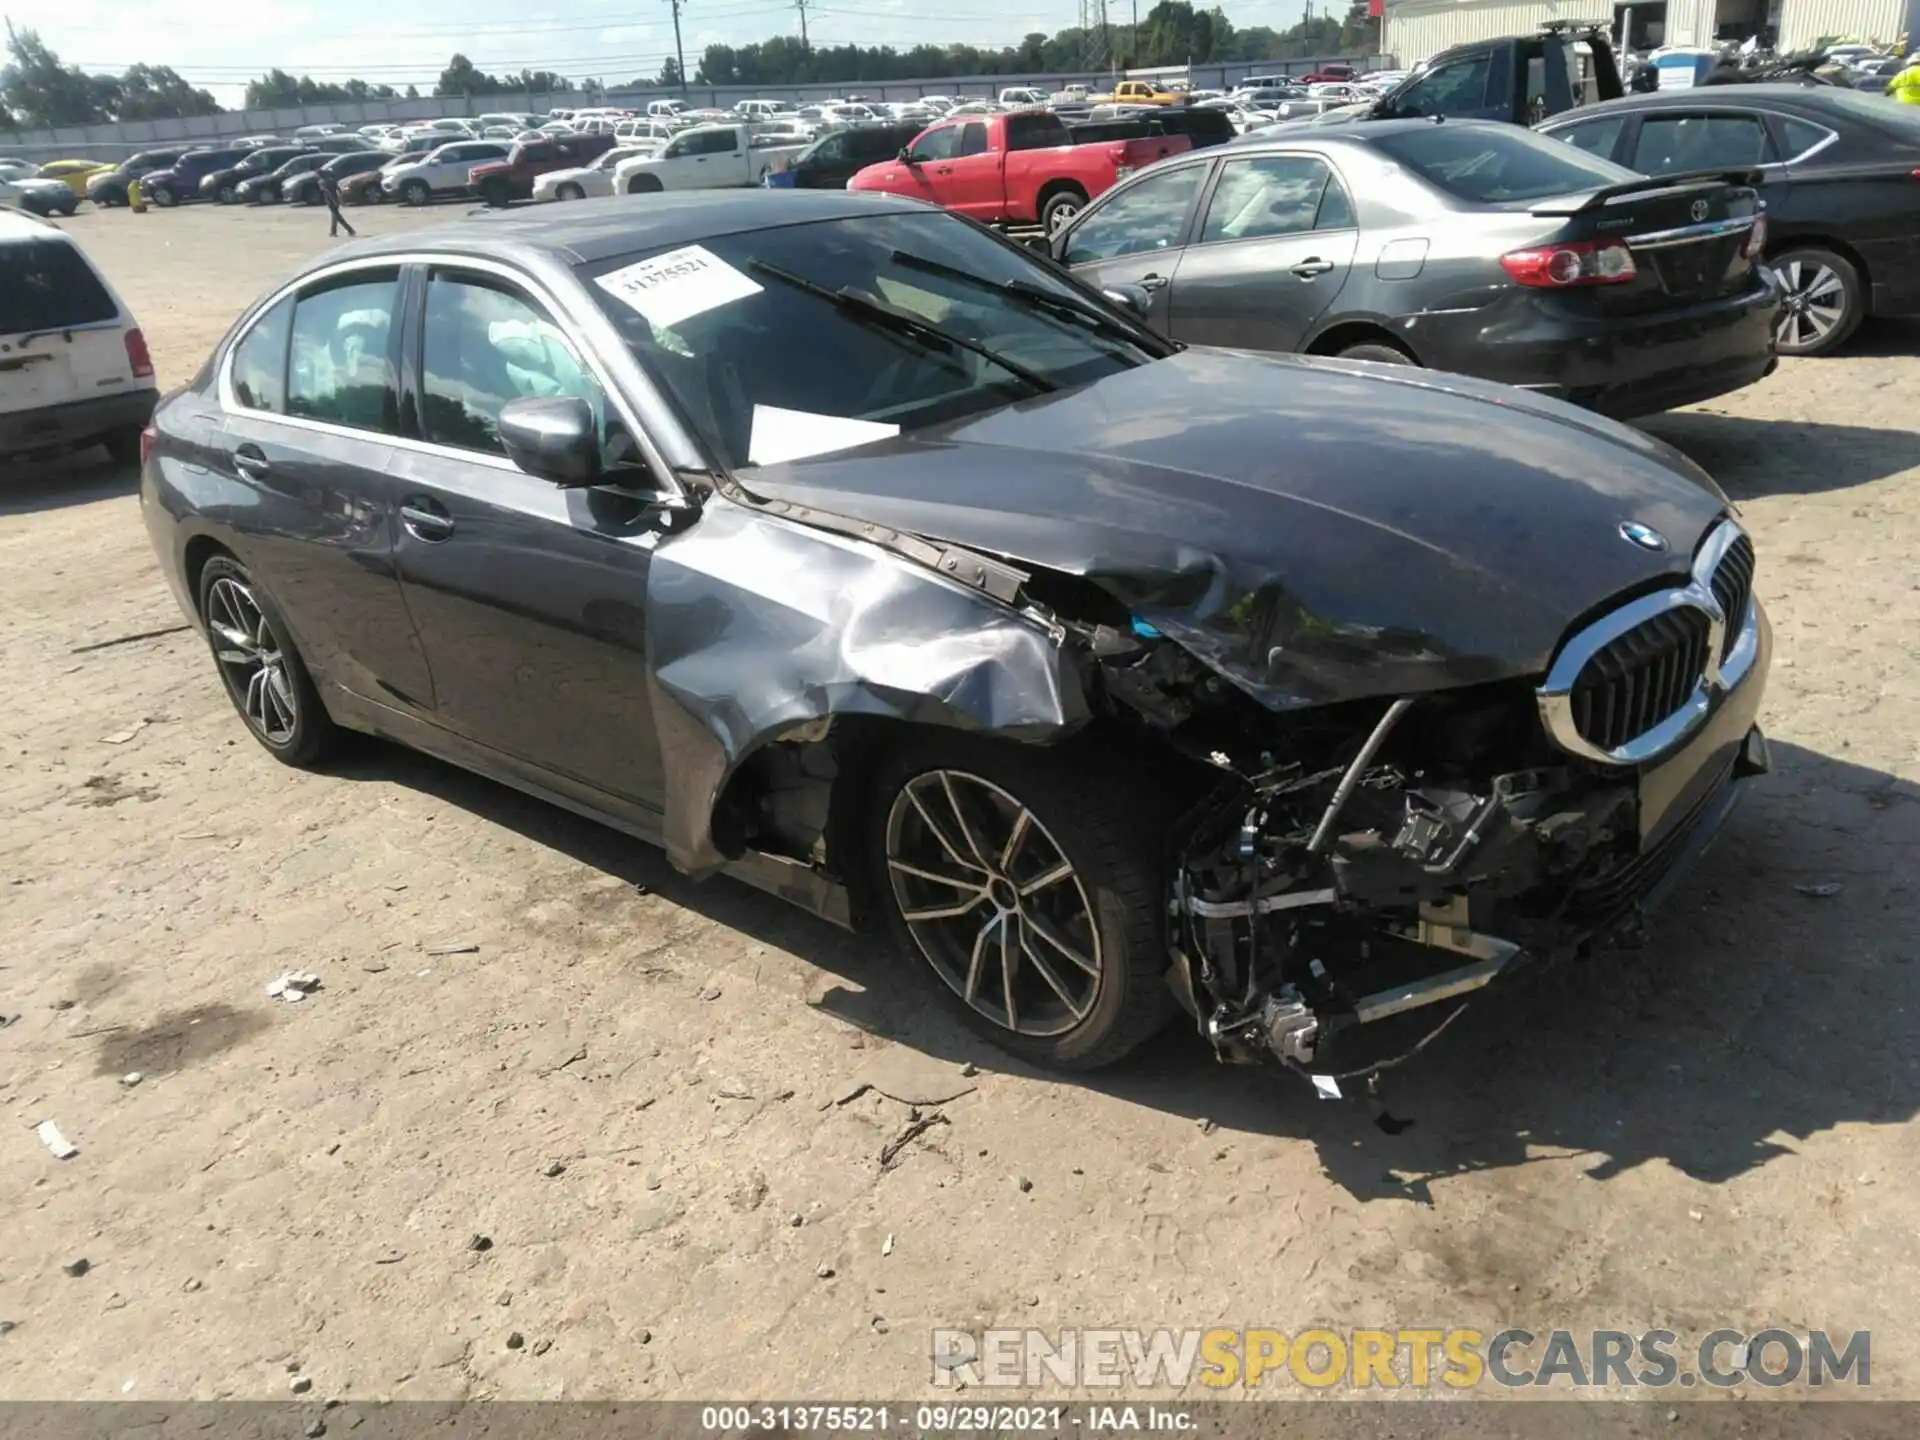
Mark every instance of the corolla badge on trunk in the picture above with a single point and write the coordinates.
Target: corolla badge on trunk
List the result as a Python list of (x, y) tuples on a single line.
[(1645, 536)]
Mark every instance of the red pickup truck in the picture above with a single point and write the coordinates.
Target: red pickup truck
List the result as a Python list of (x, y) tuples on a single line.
[(1020, 168)]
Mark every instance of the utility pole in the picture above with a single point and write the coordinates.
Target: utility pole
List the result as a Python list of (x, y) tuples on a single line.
[(801, 6), (679, 54)]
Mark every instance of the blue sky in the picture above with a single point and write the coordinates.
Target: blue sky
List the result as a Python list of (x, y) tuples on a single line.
[(221, 44)]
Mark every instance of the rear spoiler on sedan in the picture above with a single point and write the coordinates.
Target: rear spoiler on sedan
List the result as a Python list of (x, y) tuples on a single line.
[(1643, 188)]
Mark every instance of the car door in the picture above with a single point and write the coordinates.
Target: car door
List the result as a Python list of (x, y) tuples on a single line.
[(1133, 234), (309, 414), (529, 598), (927, 174), (1275, 244), (975, 181)]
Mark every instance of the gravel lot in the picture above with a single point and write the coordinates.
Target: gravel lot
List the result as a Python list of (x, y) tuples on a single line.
[(1718, 1129)]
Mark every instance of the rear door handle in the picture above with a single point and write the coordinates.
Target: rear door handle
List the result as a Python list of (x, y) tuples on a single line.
[(1153, 282), (1313, 268), (426, 519), (251, 462)]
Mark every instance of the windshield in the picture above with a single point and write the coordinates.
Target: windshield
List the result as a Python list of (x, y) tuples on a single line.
[(721, 335), (1489, 164)]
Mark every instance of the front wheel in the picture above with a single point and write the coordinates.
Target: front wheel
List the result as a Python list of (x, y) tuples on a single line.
[(1823, 304), (495, 196), (643, 185), (265, 677), (1029, 888), (1379, 354), (164, 198), (224, 194), (570, 191), (416, 192)]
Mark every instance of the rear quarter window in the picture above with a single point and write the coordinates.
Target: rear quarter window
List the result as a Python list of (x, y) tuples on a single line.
[(47, 284)]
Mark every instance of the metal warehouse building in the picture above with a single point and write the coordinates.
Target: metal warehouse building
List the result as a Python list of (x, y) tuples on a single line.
[(1418, 29)]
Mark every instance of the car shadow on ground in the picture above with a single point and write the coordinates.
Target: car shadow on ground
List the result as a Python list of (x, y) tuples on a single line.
[(77, 478), (1795, 457), (1761, 1010)]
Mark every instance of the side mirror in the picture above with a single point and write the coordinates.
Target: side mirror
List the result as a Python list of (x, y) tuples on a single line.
[(1132, 298), (553, 437), (906, 156)]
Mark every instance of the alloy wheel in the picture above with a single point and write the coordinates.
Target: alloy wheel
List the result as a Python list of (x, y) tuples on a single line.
[(252, 661), (1813, 307), (993, 903)]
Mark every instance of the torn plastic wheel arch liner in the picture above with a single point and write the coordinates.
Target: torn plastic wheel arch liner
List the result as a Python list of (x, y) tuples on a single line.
[(759, 626)]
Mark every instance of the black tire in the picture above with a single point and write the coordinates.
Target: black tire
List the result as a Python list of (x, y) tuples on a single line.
[(312, 733), (267, 195), (1380, 354), (569, 191), (495, 195), (35, 206), (417, 193), (1060, 207), (1118, 892), (1822, 290), (225, 194), (644, 185), (123, 445), (163, 197)]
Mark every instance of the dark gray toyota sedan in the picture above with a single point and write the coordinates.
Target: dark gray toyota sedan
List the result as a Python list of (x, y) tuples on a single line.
[(837, 542)]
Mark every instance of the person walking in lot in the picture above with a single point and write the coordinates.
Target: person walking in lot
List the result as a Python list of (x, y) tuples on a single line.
[(1905, 86), (330, 192)]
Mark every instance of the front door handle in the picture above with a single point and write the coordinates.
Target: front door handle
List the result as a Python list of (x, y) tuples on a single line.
[(251, 462), (426, 519), (1153, 282), (1313, 268)]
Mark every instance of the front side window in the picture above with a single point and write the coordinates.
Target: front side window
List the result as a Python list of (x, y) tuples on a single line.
[(940, 144), (1598, 136), (717, 326), (1455, 88), (1274, 195), (1149, 215), (717, 142), (485, 343), (339, 369), (1674, 144)]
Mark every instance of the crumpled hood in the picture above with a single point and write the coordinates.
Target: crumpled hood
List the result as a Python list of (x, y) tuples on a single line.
[(1316, 530)]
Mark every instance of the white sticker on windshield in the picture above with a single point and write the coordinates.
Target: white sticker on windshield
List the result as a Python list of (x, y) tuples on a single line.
[(780, 435), (680, 284)]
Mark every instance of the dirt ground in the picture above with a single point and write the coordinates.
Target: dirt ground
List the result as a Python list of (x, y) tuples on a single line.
[(1717, 1130)]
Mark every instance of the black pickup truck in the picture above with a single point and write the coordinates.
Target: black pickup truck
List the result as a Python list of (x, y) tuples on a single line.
[(1519, 78)]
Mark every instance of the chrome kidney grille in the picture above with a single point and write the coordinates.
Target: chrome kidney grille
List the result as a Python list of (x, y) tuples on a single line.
[(1640, 679)]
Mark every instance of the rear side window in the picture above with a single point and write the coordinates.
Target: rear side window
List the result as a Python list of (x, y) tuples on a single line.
[(47, 284), (1671, 145), (260, 362), (1486, 165), (1800, 135), (339, 369)]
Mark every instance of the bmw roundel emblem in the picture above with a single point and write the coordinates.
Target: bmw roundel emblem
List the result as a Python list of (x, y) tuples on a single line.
[(1645, 536)]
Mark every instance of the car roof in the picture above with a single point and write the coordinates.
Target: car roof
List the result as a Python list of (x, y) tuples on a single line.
[(1784, 95), (1304, 132), (18, 225), (590, 230)]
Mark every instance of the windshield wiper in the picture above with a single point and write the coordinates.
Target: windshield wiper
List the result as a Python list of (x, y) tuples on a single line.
[(1026, 292), (873, 313)]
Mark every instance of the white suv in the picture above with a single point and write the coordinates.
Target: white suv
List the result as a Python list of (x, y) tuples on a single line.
[(74, 368)]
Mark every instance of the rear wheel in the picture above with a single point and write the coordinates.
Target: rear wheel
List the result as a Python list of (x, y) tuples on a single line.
[(1824, 302), (264, 675), (123, 446), (1059, 208), (1027, 886), (1378, 353)]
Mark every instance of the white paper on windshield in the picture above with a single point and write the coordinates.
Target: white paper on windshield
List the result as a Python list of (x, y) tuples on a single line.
[(678, 285), (795, 434)]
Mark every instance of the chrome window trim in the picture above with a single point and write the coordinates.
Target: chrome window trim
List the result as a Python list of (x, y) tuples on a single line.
[(581, 334), (1718, 676)]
